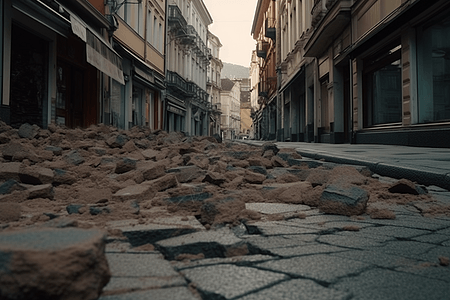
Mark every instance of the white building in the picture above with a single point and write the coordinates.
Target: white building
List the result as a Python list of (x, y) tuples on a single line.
[(214, 82), (230, 102), (187, 106)]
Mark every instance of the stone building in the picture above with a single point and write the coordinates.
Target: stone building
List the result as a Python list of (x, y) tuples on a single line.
[(187, 107), (214, 83), (230, 107)]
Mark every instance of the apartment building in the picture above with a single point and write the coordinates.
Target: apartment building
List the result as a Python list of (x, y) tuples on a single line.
[(187, 107), (139, 37), (255, 106), (57, 62), (265, 34), (245, 109), (214, 83), (362, 71), (230, 107)]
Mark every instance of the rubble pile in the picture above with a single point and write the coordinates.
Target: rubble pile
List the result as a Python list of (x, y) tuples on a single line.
[(94, 175)]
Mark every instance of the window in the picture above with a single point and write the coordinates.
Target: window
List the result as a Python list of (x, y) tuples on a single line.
[(433, 46), (149, 26), (382, 87)]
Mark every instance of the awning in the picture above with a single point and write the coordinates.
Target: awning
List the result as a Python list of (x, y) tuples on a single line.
[(98, 51)]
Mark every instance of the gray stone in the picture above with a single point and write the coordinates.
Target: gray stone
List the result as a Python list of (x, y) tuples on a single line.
[(194, 197), (124, 165), (269, 146), (178, 293), (307, 249), (10, 170), (135, 192), (54, 149), (298, 289), (73, 158), (151, 170), (229, 281), (279, 228), (321, 267), (117, 141), (28, 131), (337, 199), (214, 243), (404, 186), (34, 264), (383, 284), (73, 208), (214, 178), (187, 173), (98, 150), (40, 191), (63, 177), (150, 154), (276, 208), (254, 178), (160, 229), (258, 169), (9, 186), (97, 210), (377, 258), (15, 151), (36, 175)]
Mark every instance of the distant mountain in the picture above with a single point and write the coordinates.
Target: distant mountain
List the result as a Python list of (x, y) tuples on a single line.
[(232, 71)]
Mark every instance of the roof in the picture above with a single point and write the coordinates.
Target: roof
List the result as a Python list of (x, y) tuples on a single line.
[(227, 84)]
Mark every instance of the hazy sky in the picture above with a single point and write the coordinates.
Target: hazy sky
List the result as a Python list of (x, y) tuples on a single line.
[(232, 24)]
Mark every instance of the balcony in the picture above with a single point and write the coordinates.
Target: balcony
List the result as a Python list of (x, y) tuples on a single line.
[(197, 93), (330, 17), (261, 49), (177, 84), (270, 26), (175, 18)]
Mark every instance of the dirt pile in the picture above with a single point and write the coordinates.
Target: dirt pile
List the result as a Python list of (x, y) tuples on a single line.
[(95, 175)]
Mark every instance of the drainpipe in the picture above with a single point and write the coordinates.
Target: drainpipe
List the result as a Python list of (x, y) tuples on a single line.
[(351, 102)]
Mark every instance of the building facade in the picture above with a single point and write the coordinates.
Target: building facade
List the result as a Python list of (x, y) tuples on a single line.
[(139, 38), (245, 109), (362, 71), (230, 107), (264, 33), (57, 62), (214, 83), (187, 107)]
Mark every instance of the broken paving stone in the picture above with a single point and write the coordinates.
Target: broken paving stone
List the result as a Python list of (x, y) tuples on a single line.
[(187, 173), (189, 198), (97, 210), (405, 186), (258, 169), (55, 150), (214, 178), (74, 208), (10, 186), (151, 170), (158, 229), (228, 281), (117, 141), (36, 175), (212, 243), (341, 200), (255, 178), (73, 158), (276, 208), (279, 162), (16, 151), (63, 177), (136, 192), (41, 191), (163, 183), (269, 146), (35, 264), (124, 165), (98, 150)]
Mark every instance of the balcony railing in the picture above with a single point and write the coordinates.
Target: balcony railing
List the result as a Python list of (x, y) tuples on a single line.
[(270, 26), (176, 19), (261, 49), (177, 83)]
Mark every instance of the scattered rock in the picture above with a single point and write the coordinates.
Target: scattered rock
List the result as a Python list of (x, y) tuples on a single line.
[(135, 192), (74, 208), (405, 186), (73, 158), (444, 261), (117, 141), (53, 263), (341, 200), (41, 191), (10, 186), (124, 165), (27, 131), (214, 178)]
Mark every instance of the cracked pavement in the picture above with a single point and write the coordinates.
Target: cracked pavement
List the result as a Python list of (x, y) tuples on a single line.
[(321, 256)]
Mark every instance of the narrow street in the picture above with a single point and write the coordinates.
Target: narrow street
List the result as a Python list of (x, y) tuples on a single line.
[(156, 215)]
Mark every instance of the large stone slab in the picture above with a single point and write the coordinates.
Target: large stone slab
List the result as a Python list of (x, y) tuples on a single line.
[(320, 267), (135, 192), (348, 201), (159, 229), (52, 263), (276, 208), (213, 243), (187, 173), (229, 281)]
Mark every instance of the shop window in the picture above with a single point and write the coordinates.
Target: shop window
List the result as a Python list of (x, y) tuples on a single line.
[(433, 46), (382, 87)]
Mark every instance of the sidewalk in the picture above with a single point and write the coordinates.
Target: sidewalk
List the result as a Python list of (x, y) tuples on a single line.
[(428, 166)]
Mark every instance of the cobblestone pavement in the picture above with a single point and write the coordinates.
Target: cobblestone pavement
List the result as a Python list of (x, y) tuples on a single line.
[(319, 256)]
